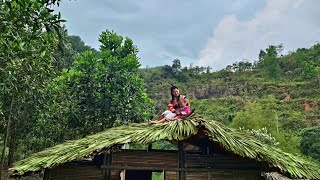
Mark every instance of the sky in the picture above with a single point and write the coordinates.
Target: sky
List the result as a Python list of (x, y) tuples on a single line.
[(212, 33)]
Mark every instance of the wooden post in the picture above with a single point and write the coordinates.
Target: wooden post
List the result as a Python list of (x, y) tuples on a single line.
[(47, 174), (149, 147), (163, 175), (104, 163), (181, 161), (107, 159), (123, 175)]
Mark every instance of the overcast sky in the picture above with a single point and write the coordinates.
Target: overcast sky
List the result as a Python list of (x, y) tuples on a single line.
[(202, 32)]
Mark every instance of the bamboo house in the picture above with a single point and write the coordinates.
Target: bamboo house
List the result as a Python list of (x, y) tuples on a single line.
[(205, 150)]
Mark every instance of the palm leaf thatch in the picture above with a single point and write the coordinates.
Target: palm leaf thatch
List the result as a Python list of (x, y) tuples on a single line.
[(232, 140)]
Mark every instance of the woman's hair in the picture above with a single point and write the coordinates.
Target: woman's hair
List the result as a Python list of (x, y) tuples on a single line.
[(171, 89)]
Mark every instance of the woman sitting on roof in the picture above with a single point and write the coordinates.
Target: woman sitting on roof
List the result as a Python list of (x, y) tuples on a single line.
[(178, 107)]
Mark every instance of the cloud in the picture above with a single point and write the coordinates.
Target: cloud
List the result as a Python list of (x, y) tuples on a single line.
[(291, 22)]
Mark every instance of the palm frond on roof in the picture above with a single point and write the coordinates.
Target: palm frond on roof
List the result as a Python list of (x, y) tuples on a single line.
[(232, 140)]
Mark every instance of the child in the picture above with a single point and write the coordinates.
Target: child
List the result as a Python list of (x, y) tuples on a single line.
[(184, 108)]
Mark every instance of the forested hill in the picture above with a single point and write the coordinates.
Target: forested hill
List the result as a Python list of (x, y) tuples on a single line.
[(278, 94), (296, 75), (293, 77)]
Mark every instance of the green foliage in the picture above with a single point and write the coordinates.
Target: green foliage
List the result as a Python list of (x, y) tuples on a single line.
[(240, 66), (288, 142), (160, 145), (168, 71), (292, 121), (176, 65), (309, 70), (78, 45), (265, 137), (303, 64), (30, 34), (274, 117), (310, 142), (270, 61), (164, 145), (112, 45), (95, 94), (6, 151), (222, 110), (255, 116), (156, 176), (72, 47)]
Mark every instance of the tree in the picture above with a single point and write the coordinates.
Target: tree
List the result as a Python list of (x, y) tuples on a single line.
[(240, 66), (30, 33), (269, 61), (208, 70), (309, 70), (229, 68), (72, 47), (310, 142), (94, 94), (168, 71), (262, 55), (176, 66), (245, 66), (78, 45), (318, 75)]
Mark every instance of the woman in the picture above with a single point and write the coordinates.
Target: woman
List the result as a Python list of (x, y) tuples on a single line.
[(178, 107)]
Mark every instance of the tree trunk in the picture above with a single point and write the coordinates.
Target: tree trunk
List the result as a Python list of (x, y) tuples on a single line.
[(5, 141), (12, 146)]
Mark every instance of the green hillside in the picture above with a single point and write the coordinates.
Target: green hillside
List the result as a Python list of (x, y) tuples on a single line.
[(279, 92)]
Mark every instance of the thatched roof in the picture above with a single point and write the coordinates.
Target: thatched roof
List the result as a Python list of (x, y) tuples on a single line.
[(230, 139)]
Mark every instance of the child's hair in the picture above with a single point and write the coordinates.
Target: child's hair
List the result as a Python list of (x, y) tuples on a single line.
[(182, 102)]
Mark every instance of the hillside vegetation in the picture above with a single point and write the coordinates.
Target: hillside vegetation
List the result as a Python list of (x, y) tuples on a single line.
[(277, 96)]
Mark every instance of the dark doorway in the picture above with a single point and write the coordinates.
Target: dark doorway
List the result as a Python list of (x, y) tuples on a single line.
[(138, 174)]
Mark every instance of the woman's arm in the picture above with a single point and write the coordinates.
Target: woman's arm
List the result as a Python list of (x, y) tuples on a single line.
[(171, 107)]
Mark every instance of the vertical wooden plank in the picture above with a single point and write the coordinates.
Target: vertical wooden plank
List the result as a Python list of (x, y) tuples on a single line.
[(163, 175), (149, 147), (109, 162), (46, 174), (123, 175), (104, 171), (181, 161)]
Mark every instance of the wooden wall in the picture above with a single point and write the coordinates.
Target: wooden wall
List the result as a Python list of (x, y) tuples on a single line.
[(223, 175), (144, 158), (220, 161), (196, 166), (74, 172), (156, 159)]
